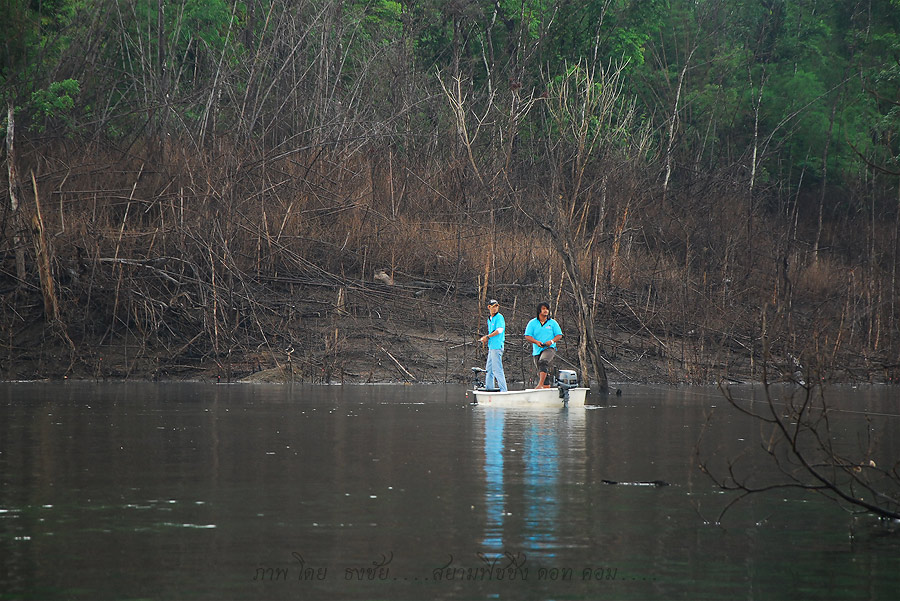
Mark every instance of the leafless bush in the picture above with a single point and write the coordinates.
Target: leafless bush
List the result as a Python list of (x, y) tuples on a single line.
[(807, 441)]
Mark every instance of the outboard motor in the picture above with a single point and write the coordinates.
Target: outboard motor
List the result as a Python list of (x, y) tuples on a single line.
[(566, 379), (476, 380)]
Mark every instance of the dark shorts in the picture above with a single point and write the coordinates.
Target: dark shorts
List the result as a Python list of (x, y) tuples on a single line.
[(543, 361)]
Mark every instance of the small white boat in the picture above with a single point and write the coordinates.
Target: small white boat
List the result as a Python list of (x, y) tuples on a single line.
[(530, 397)]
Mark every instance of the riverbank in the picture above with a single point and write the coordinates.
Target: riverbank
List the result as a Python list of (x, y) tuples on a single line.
[(197, 267), (370, 332)]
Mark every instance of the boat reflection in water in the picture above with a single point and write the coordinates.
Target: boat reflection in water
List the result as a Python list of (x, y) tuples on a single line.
[(524, 453)]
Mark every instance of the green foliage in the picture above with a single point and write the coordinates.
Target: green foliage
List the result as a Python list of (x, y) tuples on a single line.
[(31, 34), (615, 31), (723, 74), (769, 75), (530, 13), (206, 20), (383, 21), (187, 20), (53, 103), (874, 127)]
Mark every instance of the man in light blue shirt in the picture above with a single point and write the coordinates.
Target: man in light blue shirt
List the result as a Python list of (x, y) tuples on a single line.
[(543, 332), (495, 338)]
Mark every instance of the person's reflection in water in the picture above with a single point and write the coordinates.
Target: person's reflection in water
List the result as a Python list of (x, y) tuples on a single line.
[(541, 490), (539, 479), (493, 480)]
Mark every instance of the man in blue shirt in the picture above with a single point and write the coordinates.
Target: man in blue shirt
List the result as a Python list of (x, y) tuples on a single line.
[(496, 336), (543, 332)]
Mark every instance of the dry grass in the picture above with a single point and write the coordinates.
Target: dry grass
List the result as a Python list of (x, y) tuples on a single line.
[(235, 261)]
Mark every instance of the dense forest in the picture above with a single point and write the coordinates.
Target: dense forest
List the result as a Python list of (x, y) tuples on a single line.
[(321, 185)]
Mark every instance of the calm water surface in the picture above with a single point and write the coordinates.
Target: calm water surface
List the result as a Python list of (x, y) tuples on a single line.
[(196, 491)]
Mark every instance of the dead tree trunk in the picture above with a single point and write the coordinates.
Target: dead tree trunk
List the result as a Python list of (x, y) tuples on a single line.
[(16, 218), (584, 313), (43, 255), (591, 113)]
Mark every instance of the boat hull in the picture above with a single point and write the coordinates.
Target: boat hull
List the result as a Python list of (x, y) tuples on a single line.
[(531, 397)]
